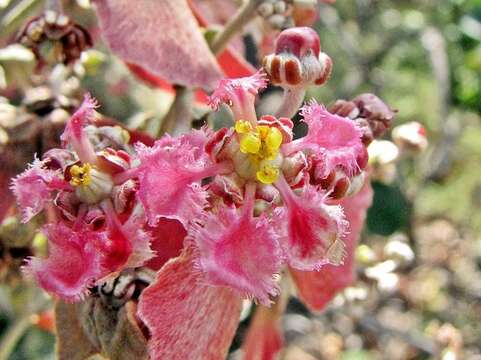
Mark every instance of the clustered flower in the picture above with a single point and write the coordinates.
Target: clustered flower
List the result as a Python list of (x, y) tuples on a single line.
[(250, 199)]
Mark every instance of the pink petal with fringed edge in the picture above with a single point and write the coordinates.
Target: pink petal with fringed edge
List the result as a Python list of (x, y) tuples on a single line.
[(240, 94), (169, 176), (33, 188), (263, 340), (72, 263), (140, 240), (162, 36), (310, 231), (333, 137), (239, 251), (186, 318), (167, 241), (316, 289), (74, 133)]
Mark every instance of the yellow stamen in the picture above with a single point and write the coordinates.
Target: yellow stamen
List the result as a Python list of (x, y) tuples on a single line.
[(250, 143), (243, 127), (80, 175), (267, 174), (273, 139)]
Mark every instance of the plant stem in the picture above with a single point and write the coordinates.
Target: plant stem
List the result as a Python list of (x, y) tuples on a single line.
[(13, 335), (291, 101), (179, 118), (236, 24), (54, 5)]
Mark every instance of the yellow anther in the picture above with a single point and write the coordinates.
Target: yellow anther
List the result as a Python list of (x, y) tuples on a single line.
[(80, 174), (263, 131), (243, 127), (250, 143), (274, 139), (267, 174)]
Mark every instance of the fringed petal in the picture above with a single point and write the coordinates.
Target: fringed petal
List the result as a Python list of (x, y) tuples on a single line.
[(33, 188), (238, 251), (263, 340), (72, 265), (74, 133), (317, 289), (169, 179), (310, 230), (186, 318), (240, 95), (335, 138)]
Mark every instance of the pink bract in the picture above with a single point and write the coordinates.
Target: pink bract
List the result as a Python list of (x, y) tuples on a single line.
[(188, 319), (180, 56)]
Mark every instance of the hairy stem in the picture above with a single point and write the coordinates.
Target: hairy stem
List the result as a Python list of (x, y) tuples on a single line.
[(291, 102), (236, 24), (179, 118)]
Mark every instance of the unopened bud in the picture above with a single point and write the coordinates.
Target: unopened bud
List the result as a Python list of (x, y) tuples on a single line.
[(298, 60), (410, 137)]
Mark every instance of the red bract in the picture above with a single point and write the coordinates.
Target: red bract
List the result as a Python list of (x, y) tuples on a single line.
[(317, 289)]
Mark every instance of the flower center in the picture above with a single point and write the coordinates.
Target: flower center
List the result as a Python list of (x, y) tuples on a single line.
[(261, 143), (80, 175)]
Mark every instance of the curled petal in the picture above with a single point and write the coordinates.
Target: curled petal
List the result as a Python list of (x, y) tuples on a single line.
[(167, 241), (75, 134), (169, 176), (335, 138), (238, 251), (72, 265), (309, 229), (317, 288), (140, 241), (240, 94), (33, 188), (186, 318)]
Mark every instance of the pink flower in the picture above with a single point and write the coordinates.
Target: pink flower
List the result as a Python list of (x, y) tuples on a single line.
[(74, 133), (334, 138), (238, 250), (34, 188), (169, 176), (72, 265), (309, 229), (317, 288), (240, 95)]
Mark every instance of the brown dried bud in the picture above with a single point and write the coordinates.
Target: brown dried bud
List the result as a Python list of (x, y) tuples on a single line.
[(376, 112), (369, 112), (69, 39)]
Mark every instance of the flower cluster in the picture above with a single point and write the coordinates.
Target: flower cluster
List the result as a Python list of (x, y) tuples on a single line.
[(95, 229), (246, 202)]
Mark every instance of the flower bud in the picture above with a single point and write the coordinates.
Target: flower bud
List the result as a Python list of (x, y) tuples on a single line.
[(410, 137), (376, 112), (298, 60)]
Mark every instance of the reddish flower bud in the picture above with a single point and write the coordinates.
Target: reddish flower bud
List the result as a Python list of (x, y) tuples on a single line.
[(298, 60)]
